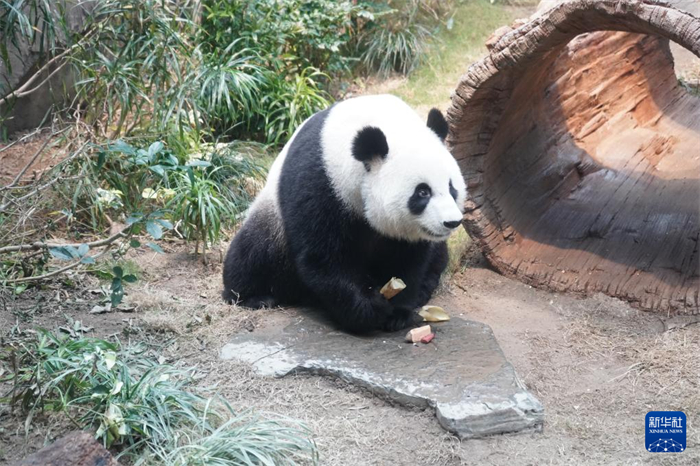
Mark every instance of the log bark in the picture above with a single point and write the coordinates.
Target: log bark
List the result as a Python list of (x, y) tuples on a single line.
[(75, 449), (581, 153)]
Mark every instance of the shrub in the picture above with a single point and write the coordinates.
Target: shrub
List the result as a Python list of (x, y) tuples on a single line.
[(297, 42), (134, 60), (290, 102), (399, 50), (291, 34), (396, 38), (199, 196), (200, 207)]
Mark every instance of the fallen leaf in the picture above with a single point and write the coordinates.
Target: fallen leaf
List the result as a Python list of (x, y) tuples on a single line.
[(433, 314), (68, 330), (117, 388), (125, 308), (110, 359), (97, 309)]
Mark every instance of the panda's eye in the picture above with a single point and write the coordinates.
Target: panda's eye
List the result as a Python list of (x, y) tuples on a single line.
[(420, 199), (423, 190)]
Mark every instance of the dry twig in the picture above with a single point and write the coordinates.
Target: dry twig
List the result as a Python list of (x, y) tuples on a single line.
[(55, 272), (39, 245)]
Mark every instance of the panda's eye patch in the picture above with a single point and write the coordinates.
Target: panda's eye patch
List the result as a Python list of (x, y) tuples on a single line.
[(420, 198)]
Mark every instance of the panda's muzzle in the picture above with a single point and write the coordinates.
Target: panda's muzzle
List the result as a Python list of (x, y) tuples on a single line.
[(437, 236)]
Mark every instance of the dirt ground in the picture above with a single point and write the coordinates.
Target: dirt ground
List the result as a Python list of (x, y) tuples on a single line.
[(596, 364), (15, 155)]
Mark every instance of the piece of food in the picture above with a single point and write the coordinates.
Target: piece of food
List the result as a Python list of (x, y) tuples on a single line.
[(392, 288), (428, 338), (415, 335), (433, 314)]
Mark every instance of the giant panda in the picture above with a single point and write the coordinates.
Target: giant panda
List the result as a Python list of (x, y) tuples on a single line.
[(363, 191)]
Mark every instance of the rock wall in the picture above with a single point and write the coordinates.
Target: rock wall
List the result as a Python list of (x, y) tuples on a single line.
[(25, 59)]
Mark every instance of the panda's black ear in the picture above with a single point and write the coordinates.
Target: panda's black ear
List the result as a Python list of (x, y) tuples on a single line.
[(369, 143), (437, 123)]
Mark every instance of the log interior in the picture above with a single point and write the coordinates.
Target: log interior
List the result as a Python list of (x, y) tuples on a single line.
[(581, 153)]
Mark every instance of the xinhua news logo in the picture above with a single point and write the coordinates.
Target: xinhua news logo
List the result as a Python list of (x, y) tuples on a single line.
[(665, 431)]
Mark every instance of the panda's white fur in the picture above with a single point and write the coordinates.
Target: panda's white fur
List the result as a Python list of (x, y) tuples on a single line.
[(332, 225)]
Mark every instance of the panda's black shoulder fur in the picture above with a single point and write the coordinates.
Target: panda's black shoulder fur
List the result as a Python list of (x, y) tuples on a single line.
[(329, 257)]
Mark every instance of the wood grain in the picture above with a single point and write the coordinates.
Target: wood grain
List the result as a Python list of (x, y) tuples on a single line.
[(581, 153)]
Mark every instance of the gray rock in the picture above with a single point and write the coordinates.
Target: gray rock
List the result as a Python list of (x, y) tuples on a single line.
[(462, 374)]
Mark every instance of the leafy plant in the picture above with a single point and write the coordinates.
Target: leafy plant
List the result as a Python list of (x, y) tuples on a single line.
[(151, 67), (396, 40), (302, 33), (238, 168), (150, 411), (135, 67), (200, 195), (118, 281), (201, 206), (244, 70), (72, 253), (229, 85), (300, 44), (290, 102)]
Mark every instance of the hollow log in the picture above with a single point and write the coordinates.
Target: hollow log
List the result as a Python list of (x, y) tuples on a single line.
[(581, 153), (75, 449)]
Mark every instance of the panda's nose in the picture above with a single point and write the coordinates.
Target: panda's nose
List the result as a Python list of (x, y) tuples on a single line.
[(452, 225)]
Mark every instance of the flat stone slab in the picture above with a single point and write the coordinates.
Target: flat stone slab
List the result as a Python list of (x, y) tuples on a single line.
[(462, 373)]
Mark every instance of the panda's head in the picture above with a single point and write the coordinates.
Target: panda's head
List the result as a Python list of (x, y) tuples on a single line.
[(412, 188)]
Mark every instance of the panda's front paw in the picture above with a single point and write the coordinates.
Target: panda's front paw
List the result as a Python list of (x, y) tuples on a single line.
[(401, 318), (380, 304)]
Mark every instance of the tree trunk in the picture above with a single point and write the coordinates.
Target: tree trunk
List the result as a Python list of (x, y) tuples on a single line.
[(581, 153), (75, 449)]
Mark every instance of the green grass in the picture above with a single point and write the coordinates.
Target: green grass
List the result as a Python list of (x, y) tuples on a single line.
[(457, 247), (453, 51), (150, 413)]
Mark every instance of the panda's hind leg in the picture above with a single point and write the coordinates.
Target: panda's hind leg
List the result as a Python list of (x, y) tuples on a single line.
[(253, 264)]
